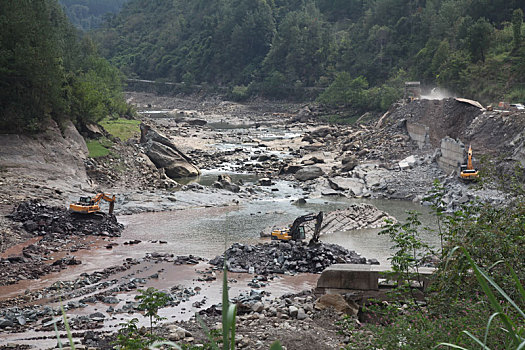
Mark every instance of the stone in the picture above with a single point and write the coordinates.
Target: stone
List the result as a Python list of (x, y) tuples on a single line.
[(309, 173), (293, 311), (258, 307), (165, 155), (6, 323), (177, 333), (301, 314), (265, 182), (353, 185), (97, 316), (337, 302)]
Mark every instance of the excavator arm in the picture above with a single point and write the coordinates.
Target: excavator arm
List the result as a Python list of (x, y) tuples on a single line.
[(295, 231)]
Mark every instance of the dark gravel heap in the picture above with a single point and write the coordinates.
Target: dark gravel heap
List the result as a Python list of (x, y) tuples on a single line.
[(41, 220), (287, 257)]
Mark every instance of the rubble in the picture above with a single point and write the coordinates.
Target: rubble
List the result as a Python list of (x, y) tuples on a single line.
[(286, 257), (40, 219)]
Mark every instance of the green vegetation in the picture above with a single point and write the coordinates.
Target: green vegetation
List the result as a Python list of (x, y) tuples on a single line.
[(90, 14), (351, 53), (459, 307), (48, 71), (98, 148), (122, 128)]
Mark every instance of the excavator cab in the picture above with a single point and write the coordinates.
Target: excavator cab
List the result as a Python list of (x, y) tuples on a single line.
[(88, 205)]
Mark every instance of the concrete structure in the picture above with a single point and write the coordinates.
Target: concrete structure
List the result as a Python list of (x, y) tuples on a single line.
[(419, 133), (344, 278), (452, 155)]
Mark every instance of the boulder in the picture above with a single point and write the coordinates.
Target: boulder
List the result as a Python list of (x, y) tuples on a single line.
[(337, 302), (224, 181), (309, 173), (351, 184), (349, 163), (407, 163), (165, 155)]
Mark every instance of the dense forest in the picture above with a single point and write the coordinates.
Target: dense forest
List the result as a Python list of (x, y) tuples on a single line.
[(49, 71), (90, 14), (359, 52)]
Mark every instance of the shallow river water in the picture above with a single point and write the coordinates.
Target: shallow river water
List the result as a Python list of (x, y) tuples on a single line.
[(207, 232)]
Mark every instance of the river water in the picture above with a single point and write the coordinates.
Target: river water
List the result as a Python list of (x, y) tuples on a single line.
[(207, 232)]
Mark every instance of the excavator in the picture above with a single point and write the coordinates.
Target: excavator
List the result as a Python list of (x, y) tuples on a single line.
[(296, 232), (87, 205), (468, 173)]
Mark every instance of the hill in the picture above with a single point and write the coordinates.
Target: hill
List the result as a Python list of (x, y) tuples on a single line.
[(296, 49)]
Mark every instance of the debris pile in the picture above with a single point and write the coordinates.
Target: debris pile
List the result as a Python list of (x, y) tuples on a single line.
[(41, 220), (287, 257)]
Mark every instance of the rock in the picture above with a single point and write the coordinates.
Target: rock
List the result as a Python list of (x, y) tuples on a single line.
[(6, 323), (177, 333), (337, 302), (110, 300), (349, 163), (224, 182), (97, 316), (258, 307), (301, 314), (265, 182), (165, 155), (407, 163), (21, 320), (293, 311), (353, 185), (309, 173)]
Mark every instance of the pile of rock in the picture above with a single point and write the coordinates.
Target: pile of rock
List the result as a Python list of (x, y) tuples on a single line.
[(286, 257), (41, 220)]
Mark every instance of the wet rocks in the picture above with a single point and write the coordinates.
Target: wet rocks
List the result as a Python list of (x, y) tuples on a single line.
[(309, 173), (286, 257)]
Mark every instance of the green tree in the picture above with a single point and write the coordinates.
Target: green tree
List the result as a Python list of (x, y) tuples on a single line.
[(478, 38), (300, 46), (517, 21), (345, 91), (151, 300)]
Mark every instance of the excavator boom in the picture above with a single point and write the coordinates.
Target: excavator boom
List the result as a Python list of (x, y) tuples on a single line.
[(296, 232), (468, 173)]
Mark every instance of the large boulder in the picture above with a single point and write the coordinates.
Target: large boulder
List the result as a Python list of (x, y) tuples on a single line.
[(351, 184), (165, 155), (309, 173)]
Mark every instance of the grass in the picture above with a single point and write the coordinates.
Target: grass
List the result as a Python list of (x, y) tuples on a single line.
[(98, 148), (122, 128)]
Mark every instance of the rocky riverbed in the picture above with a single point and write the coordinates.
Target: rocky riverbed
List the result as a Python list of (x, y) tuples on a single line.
[(245, 155)]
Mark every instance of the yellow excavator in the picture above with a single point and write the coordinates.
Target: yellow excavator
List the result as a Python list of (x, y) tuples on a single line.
[(88, 205), (468, 173), (296, 232)]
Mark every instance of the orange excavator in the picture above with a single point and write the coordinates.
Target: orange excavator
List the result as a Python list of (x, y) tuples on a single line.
[(468, 173), (88, 205)]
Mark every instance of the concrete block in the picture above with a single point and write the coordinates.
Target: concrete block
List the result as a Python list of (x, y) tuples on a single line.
[(349, 276)]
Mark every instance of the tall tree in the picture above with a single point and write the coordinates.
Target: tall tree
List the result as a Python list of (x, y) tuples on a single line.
[(517, 21)]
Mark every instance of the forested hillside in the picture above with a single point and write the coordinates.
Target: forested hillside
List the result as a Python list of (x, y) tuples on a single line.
[(89, 14), (363, 49), (47, 70)]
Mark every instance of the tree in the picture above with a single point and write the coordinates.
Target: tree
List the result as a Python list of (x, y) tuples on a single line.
[(478, 37), (517, 21)]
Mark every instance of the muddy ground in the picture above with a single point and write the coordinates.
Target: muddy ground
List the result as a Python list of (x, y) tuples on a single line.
[(272, 141)]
